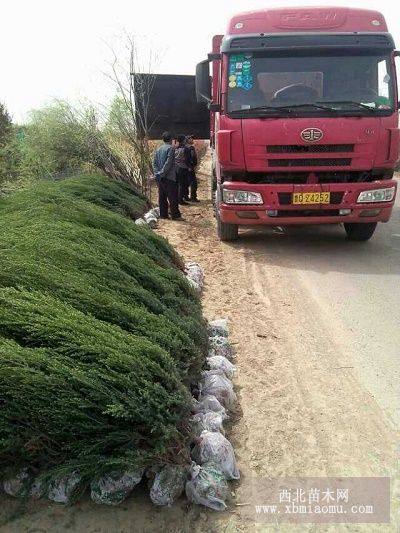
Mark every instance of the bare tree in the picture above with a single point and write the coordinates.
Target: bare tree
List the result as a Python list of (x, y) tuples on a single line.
[(134, 81)]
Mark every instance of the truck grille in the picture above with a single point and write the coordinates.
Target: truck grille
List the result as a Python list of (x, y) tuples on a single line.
[(309, 213), (285, 198), (277, 177), (310, 149), (342, 162), (344, 177), (299, 177)]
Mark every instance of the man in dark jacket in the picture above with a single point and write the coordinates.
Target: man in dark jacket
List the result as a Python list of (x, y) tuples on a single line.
[(165, 174), (192, 171), (183, 165)]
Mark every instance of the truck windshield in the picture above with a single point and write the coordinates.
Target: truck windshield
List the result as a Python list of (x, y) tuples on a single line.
[(310, 84)]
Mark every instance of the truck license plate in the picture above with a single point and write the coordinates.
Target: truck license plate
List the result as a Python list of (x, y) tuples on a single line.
[(301, 198)]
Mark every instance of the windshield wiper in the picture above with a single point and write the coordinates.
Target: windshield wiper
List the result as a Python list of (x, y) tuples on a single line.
[(357, 104), (260, 108), (287, 108), (316, 105)]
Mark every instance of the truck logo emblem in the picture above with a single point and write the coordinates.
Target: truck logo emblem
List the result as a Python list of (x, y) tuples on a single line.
[(312, 135)]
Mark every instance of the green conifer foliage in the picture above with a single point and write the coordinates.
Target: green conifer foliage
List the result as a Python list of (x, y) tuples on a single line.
[(100, 334)]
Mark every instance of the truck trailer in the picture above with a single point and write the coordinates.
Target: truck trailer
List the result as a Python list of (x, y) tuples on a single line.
[(304, 119)]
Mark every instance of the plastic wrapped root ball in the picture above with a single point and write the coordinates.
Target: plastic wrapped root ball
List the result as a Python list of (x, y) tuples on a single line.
[(168, 485), (213, 446), (220, 346), (114, 488), (208, 486), (207, 422), (209, 402), (216, 383), (219, 362), (218, 328)]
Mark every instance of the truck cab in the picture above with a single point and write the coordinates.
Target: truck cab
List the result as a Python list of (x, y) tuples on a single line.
[(304, 119)]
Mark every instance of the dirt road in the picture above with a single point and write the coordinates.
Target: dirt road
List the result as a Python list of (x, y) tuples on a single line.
[(315, 321)]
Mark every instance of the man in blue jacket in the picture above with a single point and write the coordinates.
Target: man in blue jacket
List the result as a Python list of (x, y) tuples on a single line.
[(165, 174)]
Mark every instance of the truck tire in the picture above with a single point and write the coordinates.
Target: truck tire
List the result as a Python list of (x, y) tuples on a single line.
[(360, 232), (213, 186), (227, 232)]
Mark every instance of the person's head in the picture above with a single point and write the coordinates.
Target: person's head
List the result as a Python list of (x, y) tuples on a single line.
[(190, 139), (181, 139), (167, 137)]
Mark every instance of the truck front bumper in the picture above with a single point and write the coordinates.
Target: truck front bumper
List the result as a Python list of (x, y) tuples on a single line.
[(277, 207)]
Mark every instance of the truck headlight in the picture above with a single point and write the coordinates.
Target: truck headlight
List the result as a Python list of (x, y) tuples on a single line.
[(230, 196), (377, 195)]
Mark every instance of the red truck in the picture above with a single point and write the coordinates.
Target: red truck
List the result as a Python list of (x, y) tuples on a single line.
[(304, 119)]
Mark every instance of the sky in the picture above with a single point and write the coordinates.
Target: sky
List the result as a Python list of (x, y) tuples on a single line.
[(61, 49)]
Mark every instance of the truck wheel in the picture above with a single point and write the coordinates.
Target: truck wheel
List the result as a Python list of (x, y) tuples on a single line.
[(213, 191), (227, 232), (213, 186), (360, 232)]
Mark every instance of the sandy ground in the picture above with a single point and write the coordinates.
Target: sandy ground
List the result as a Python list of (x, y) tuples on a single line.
[(314, 321)]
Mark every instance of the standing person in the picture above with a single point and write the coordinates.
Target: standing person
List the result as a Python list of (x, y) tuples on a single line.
[(192, 171), (183, 162), (165, 174)]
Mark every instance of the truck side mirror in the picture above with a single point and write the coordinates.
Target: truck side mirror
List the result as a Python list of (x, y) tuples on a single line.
[(214, 108), (203, 82), (396, 53)]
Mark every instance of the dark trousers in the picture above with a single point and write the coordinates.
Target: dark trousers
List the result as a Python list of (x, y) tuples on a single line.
[(168, 198), (182, 175), (193, 185)]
